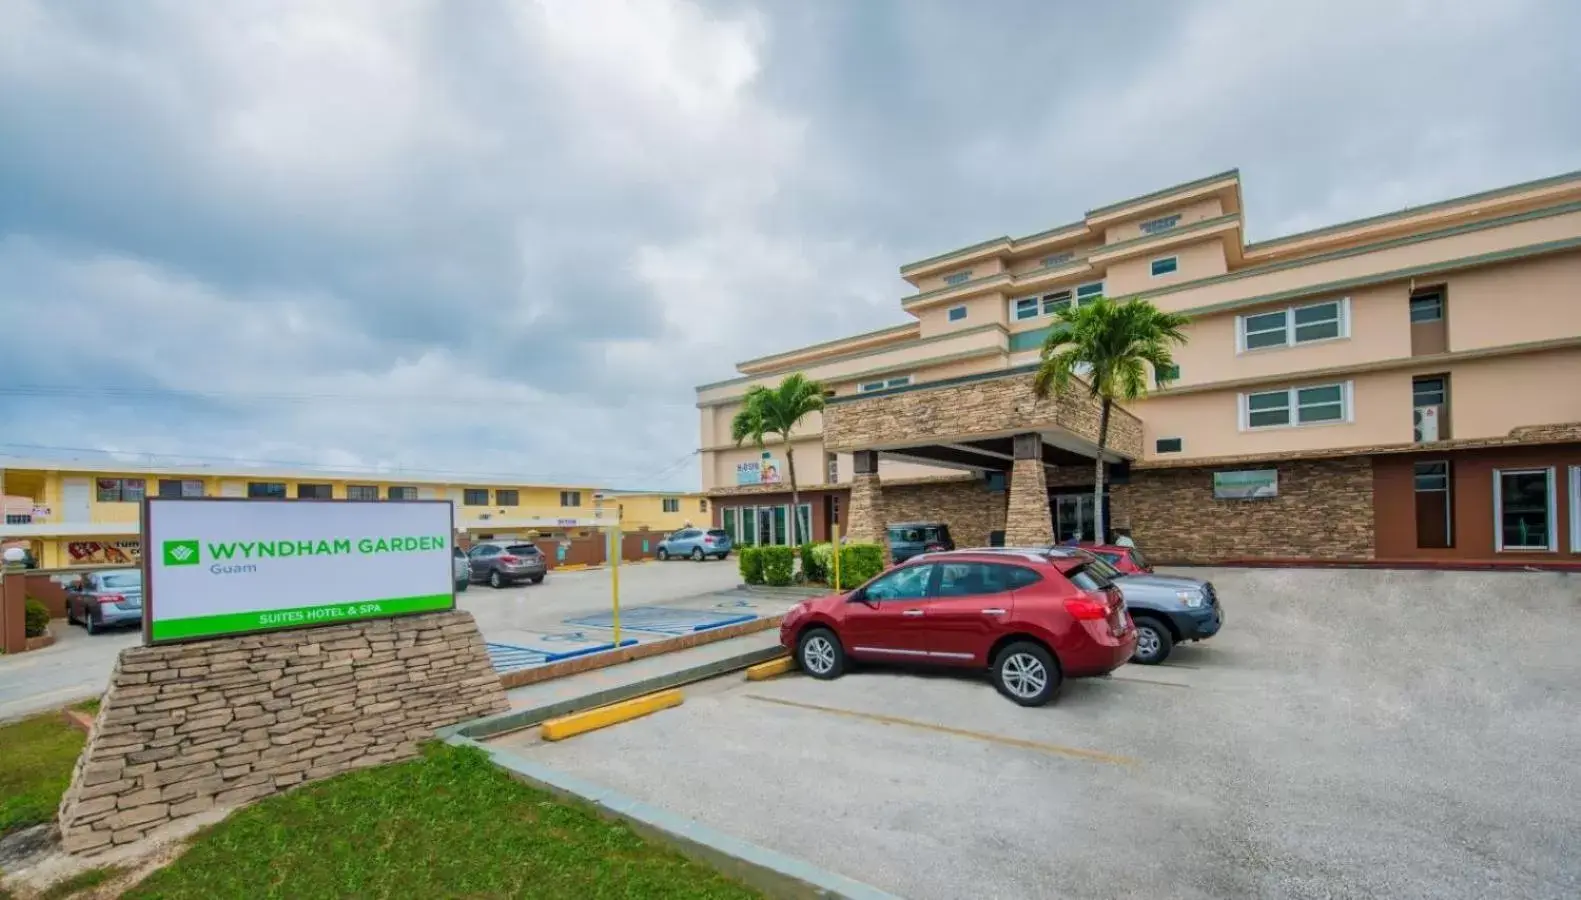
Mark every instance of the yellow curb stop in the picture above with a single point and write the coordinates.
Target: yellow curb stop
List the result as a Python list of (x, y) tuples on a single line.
[(594, 719), (767, 670)]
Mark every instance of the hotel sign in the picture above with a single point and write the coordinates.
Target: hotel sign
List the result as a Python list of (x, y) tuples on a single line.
[(1248, 484)]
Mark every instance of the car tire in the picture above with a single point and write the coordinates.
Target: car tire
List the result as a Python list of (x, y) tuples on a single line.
[(495, 580), (819, 654), (71, 617), (87, 622), (697, 554), (1153, 641), (1027, 674), (663, 554), (536, 579)]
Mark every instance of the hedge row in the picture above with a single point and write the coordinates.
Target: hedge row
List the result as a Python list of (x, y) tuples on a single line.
[(775, 566)]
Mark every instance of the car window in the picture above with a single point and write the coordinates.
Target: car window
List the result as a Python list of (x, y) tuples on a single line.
[(909, 583), (718, 533), (1088, 578), (1099, 563), (931, 534), (459, 552), (963, 579), (906, 535), (523, 549), (1022, 577), (481, 551), (123, 580), (1137, 557)]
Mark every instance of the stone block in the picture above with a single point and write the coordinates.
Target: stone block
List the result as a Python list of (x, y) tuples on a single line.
[(138, 815), (202, 803), (136, 798)]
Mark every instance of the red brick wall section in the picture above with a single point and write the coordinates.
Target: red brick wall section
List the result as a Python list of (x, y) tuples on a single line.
[(188, 728), (44, 589), (1324, 511)]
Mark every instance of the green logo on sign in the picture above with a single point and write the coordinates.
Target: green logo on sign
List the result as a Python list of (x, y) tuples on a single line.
[(182, 553)]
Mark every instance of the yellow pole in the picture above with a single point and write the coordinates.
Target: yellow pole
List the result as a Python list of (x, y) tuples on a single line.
[(834, 535), (614, 579)]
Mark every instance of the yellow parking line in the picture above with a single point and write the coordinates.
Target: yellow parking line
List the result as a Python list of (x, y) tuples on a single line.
[(1056, 749), (578, 723), (769, 669)]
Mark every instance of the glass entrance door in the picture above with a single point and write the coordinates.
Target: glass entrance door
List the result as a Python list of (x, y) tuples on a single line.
[(766, 533), (1073, 517)]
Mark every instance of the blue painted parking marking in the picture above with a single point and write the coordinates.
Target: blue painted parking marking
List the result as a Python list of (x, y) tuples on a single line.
[(514, 657), (505, 658), (664, 619)]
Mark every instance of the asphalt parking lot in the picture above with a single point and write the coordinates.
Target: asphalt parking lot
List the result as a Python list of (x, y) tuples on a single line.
[(1349, 734)]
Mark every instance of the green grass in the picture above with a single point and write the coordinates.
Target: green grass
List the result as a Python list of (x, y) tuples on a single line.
[(82, 881), (91, 707), (35, 768), (449, 824)]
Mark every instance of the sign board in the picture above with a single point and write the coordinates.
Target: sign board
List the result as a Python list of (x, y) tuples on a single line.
[(104, 553), (1250, 484), (759, 471), (219, 567)]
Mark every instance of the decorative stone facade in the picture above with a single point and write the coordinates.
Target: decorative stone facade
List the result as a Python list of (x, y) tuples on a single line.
[(972, 511), (961, 408), (1028, 523), (1324, 511), (867, 516), (187, 728)]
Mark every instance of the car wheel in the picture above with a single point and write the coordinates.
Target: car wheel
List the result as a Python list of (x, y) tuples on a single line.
[(819, 654), (536, 579), (1153, 641), (1027, 674), (495, 581), (71, 616), (697, 554), (663, 554), (87, 622)]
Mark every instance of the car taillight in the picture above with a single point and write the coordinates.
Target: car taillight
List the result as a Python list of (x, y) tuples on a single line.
[(110, 598), (708, 540), (512, 560), (1087, 609)]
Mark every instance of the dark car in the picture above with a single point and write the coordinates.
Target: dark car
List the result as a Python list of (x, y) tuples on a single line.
[(1031, 619), (502, 563), (100, 600), (907, 539)]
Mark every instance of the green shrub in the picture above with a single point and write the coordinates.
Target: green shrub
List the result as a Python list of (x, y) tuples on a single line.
[(751, 563), (823, 558), (36, 618), (813, 569), (858, 563), (779, 563)]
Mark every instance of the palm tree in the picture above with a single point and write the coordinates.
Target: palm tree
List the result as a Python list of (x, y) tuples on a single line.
[(1110, 345), (778, 410)]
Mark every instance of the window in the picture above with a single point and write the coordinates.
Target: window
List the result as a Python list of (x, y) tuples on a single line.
[(831, 465), (968, 579), (482, 551), (1086, 293), (1575, 509), (672, 504), (507, 497), (315, 492), (1165, 266), (1427, 306), (475, 497), (910, 583), (883, 384), (1167, 373), (955, 278), (1058, 259), (1046, 305), (1431, 482), (1167, 445), (18, 519), (1427, 391), (570, 498), (401, 493), (1317, 405), (1523, 509), (122, 490), (169, 487), (1295, 325), (265, 490), (702, 504), (1154, 226), (727, 518), (957, 313), (362, 492)]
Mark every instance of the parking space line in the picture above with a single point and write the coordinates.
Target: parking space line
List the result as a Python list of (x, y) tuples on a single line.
[(1055, 749), (1135, 680)]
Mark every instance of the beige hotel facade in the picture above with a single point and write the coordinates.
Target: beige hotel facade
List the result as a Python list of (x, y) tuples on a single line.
[(1402, 388)]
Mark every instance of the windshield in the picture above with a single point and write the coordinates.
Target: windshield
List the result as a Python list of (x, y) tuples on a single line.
[(718, 533), (122, 580), (525, 549), (1099, 563), (1137, 557)]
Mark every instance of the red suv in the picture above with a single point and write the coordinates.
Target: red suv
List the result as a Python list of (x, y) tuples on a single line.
[(1032, 620), (1128, 560)]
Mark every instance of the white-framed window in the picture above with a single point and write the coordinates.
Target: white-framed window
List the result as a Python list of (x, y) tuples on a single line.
[(570, 498), (1318, 404), (1023, 308), (1575, 509), (957, 313), (883, 384), (1524, 511), (955, 278), (1165, 265), (1154, 226), (1293, 325), (1086, 293), (1427, 306), (1057, 259), (671, 504)]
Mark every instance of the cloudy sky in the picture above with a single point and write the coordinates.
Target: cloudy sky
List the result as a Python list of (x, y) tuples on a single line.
[(505, 236)]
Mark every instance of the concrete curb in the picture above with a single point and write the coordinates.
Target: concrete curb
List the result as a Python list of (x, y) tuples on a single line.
[(772, 873), (614, 657), (517, 719), (767, 591)]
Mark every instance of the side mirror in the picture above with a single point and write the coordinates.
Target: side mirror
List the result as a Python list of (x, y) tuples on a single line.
[(859, 596)]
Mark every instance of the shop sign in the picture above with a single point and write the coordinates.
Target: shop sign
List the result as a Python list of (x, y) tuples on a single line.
[(759, 471), (104, 553), (1248, 484)]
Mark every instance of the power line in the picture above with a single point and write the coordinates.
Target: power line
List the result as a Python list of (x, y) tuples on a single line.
[(179, 461)]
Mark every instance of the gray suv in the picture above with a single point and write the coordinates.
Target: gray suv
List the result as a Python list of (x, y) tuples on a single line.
[(501, 563)]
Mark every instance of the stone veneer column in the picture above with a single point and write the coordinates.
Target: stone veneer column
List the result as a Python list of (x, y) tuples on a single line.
[(1027, 521), (866, 519)]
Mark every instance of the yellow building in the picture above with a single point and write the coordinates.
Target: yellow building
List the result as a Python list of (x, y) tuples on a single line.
[(81, 513)]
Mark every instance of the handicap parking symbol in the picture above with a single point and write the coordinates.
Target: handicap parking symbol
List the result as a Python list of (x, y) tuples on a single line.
[(569, 637)]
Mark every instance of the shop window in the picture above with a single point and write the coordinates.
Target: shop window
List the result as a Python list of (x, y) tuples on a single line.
[(122, 490), (315, 492), (362, 492), (266, 490), (1523, 510), (402, 493), (172, 487), (1434, 513)]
